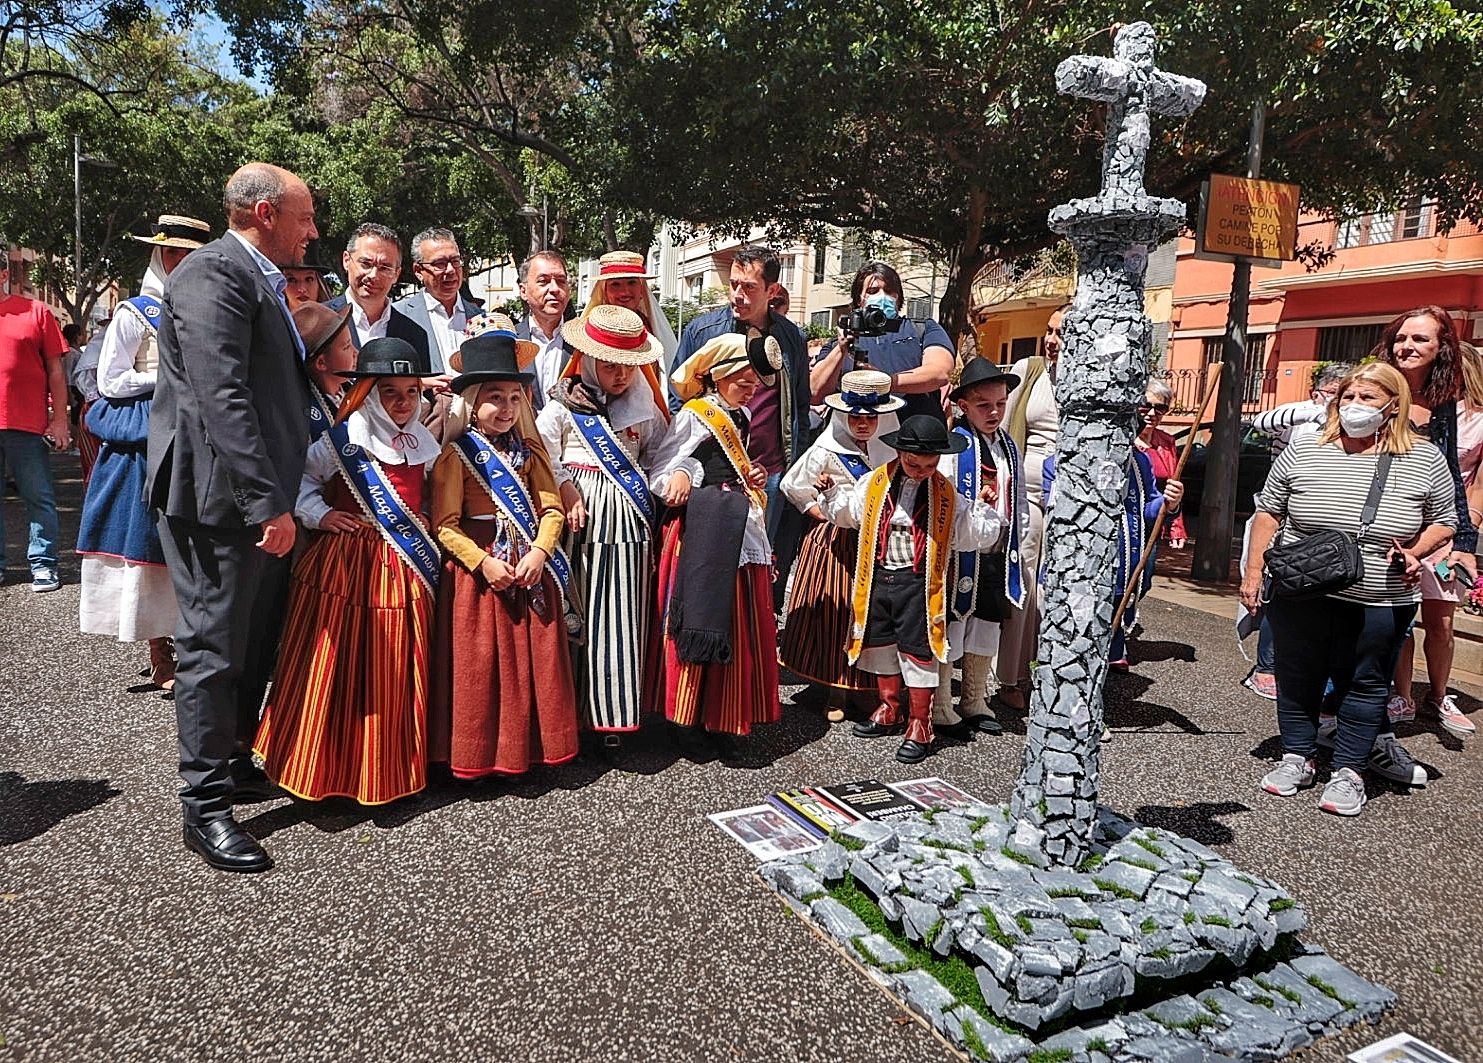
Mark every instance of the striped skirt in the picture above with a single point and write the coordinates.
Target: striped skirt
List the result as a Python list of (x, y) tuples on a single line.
[(502, 696), (721, 697), (613, 567), (817, 627), (347, 713)]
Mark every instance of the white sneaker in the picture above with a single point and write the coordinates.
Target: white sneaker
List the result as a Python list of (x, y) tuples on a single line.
[(1389, 760), (1400, 710), (1345, 793), (1293, 774), (1452, 717)]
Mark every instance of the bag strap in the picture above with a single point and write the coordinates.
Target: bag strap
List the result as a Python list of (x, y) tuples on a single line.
[(1372, 500)]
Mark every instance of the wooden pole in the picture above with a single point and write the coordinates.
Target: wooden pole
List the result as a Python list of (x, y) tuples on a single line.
[(1158, 523)]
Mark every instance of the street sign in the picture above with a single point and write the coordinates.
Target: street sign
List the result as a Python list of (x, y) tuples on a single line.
[(1249, 219)]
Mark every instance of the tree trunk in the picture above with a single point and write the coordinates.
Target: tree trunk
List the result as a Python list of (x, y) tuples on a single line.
[(955, 310)]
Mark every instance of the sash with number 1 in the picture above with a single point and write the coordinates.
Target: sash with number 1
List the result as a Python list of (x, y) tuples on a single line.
[(398, 525), (967, 483), (509, 493), (615, 463)]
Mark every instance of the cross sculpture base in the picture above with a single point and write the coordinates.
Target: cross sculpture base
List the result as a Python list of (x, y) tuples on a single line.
[(1052, 919)]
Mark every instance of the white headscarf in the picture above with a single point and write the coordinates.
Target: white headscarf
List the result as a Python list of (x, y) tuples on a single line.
[(838, 439), (154, 277), (372, 428), (634, 406)]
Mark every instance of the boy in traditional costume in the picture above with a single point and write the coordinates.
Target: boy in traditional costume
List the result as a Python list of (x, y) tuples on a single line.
[(817, 605), (126, 589), (911, 521), (503, 697), (347, 713), (603, 427), (987, 585), (718, 665)]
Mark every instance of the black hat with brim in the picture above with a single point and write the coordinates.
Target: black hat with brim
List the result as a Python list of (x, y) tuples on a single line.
[(389, 356), (982, 371), (925, 435), (487, 358)]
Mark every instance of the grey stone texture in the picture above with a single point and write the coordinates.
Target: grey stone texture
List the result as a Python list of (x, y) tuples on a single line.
[(1101, 376), (1056, 953)]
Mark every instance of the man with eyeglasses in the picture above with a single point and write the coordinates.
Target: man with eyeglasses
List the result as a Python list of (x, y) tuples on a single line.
[(440, 309), (372, 262)]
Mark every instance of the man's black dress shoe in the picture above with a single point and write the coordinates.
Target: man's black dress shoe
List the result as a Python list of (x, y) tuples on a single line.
[(251, 784), (911, 752), (984, 723), (871, 729), (224, 845), (961, 731)]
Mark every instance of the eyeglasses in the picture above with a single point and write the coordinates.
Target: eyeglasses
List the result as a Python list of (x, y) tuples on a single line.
[(368, 265), (1161, 407), (443, 265)]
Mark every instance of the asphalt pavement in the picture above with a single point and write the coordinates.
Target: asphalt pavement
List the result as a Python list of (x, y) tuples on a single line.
[(591, 912)]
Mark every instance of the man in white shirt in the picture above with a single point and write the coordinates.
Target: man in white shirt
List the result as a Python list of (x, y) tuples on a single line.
[(440, 309), (547, 291), (373, 261)]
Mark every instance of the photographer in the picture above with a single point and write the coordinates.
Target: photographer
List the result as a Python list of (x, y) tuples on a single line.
[(917, 354)]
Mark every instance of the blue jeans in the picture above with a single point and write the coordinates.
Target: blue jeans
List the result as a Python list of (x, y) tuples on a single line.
[(1354, 645), (1266, 656), (27, 458)]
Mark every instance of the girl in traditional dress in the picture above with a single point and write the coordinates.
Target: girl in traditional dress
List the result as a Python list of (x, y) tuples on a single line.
[(603, 428), (347, 713), (126, 589), (503, 696), (818, 603), (718, 666), (622, 281)]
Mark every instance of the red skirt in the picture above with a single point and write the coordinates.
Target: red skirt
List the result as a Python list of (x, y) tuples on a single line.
[(502, 696), (819, 612), (721, 697), (347, 713)]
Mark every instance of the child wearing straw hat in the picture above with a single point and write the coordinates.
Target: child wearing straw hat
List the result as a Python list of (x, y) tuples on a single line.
[(817, 605), (910, 520), (502, 697), (347, 713), (718, 665), (603, 426)]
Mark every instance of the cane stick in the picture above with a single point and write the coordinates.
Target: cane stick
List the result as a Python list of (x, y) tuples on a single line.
[(1158, 523)]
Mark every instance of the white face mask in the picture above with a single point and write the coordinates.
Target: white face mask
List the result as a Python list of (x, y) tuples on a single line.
[(1360, 421)]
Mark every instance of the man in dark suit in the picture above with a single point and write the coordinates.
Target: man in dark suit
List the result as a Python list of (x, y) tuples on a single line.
[(373, 261), (227, 440), (440, 309)]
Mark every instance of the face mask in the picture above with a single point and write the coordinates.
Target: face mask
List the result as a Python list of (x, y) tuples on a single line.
[(1360, 421), (885, 303)]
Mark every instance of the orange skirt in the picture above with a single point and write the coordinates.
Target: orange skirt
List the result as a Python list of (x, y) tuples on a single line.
[(503, 698), (347, 713), (819, 617)]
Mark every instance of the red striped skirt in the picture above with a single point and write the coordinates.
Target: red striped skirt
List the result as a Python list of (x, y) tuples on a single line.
[(722, 697), (819, 613), (347, 713), (502, 697)]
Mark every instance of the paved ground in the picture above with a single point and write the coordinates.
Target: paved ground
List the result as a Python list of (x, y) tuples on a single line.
[(591, 913)]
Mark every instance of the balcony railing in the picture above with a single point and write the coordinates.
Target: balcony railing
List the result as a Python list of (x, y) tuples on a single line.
[(1190, 385)]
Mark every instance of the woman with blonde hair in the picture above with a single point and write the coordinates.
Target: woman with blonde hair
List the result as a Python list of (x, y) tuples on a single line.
[(1368, 475), (622, 281)]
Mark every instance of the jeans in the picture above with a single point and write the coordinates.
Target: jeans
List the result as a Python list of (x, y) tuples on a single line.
[(1354, 645), (1266, 656), (28, 459)]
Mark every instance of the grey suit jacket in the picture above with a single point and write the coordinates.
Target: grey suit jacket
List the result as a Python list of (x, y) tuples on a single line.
[(400, 326), (414, 306), (230, 427)]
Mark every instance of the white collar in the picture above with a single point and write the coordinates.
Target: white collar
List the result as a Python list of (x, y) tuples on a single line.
[(362, 319), (837, 440), (436, 307), (371, 428)]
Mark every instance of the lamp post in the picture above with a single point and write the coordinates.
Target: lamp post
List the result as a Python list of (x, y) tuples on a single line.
[(78, 158), (529, 212)]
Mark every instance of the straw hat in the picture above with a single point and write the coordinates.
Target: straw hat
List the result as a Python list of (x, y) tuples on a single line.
[(176, 230), (866, 391), (317, 325), (622, 264), (493, 323), (613, 334)]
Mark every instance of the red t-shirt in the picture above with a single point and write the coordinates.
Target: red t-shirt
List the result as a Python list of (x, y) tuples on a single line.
[(28, 337)]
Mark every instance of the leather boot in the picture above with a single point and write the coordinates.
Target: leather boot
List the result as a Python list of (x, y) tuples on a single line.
[(974, 700), (886, 720), (918, 728), (162, 663)]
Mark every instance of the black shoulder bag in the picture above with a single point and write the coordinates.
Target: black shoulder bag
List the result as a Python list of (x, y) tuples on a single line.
[(1328, 560)]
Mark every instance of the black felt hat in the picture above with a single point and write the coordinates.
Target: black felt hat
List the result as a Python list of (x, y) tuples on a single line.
[(981, 371), (390, 356), (489, 357), (923, 434)]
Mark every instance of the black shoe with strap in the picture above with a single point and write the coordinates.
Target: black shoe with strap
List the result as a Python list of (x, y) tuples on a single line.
[(912, 752), (871, 729)]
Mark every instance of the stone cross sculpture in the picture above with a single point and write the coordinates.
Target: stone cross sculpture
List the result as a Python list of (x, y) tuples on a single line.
[(1100, 381)]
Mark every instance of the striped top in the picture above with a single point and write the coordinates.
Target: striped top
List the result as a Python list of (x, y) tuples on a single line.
[(1314, 486)]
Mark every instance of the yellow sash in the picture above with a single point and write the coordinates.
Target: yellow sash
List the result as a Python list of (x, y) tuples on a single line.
[(731, 445), (941, 501)]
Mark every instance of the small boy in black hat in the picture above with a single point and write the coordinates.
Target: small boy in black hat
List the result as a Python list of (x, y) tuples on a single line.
[(987, 585), (911, 521)]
